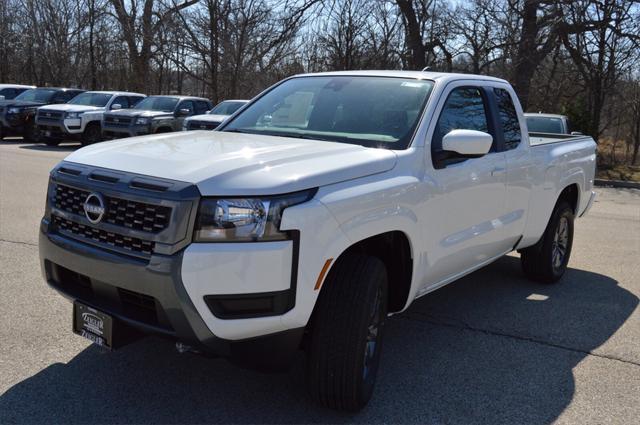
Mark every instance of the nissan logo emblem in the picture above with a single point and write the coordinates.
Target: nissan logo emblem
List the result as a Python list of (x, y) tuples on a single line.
[(94, 208)]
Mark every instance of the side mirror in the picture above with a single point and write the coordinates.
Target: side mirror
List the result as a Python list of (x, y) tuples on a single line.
[(184, 112), (470, 143), (576, 133), (116, 106)]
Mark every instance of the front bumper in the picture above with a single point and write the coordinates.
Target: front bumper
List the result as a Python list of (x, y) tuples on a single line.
[(14, 124), (132, 130), (60, 128), (151, 297)]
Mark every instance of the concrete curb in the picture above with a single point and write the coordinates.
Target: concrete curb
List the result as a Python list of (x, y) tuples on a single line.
[(617, 183)]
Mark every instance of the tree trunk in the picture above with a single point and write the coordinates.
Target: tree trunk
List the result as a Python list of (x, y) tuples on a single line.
[(417, 59)]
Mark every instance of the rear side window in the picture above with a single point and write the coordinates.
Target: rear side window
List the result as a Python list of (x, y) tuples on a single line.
[(134, 100), (508, 119), (8, 93), (464, 109)]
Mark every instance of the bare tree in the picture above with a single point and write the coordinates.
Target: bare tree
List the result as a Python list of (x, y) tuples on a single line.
[(140, 23)]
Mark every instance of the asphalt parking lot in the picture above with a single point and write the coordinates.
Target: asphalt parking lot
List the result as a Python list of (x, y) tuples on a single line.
[(490, 348)]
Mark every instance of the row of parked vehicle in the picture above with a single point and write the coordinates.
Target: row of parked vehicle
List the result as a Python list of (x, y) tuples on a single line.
[(52, 115)]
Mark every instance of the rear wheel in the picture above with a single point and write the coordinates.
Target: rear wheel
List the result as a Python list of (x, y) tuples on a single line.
[(346, 340), (547, 260), (92, 134)]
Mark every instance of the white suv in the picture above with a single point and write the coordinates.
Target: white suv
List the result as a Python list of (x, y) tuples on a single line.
[(80, 118), (212, 119)]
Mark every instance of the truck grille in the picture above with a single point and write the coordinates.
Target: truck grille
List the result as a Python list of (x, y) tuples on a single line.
[(119, 212), (45, 115), (103, 237), (202, 125), (117, 121)]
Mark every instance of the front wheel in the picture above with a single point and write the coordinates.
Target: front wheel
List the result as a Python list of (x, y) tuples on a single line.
[(31, 133), (347, 332), (547, 260), (92, 134)]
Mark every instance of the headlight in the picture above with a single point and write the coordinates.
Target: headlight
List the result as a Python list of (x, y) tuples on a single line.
[(14, 110), (143, 121), (245, 219), (73, 115)]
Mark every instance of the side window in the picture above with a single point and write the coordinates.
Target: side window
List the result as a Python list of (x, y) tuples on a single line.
[(464, 109), (8, 93), (123, 101), (134, 100), (201, 107), (62, 97), (187, 104), (508, 119)]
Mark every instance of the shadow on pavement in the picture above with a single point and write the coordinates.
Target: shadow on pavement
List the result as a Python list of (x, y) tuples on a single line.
[(482, 350), (59, 148)]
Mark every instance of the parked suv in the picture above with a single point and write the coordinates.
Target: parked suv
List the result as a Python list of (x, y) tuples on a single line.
[(81, 118), (10, 91), (212, 119), (155, 114), (17, 116)]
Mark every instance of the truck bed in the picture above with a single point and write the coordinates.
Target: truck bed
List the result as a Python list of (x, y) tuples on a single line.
[(537, 139)]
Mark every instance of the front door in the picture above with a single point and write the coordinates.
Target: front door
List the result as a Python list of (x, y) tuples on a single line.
[(464, 227)]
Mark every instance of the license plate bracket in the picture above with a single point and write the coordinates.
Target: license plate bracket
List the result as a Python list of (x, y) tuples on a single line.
[(93, 324)]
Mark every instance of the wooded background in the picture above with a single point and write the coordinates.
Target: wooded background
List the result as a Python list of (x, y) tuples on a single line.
[(580, 58)]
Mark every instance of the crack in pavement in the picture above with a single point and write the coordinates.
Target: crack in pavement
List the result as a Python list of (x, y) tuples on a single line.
[(434, 320), (19, 242)]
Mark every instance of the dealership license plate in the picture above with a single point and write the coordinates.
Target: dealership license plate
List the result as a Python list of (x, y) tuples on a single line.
[(92, 324)]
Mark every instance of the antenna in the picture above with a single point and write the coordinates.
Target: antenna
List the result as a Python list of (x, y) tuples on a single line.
[(426, 68)]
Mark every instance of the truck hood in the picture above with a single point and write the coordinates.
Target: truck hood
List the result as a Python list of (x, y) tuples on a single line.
[(65, 107), (208, 118), (140, 113), (237, 164), (18, 103)]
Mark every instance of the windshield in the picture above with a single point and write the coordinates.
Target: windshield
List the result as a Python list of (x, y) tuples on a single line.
[(158, 103), (227, 107), (36, 95), (91, 99), (376, 112), (545, 125)]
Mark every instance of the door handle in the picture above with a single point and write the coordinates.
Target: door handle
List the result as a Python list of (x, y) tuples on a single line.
[(498, 171)]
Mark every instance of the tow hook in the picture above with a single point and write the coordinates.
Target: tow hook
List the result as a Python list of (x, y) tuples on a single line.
[(184, 348)]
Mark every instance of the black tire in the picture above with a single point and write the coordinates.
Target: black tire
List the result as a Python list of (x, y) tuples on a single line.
[(547, 260), (1, 133), (92, 134), (349, 319), (51, 142), (31, 134)]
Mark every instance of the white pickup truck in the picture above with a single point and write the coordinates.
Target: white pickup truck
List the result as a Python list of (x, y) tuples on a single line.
[(330, 202), (81, 117)]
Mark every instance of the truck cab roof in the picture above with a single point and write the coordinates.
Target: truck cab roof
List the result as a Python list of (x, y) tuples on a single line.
[(419, 75)]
